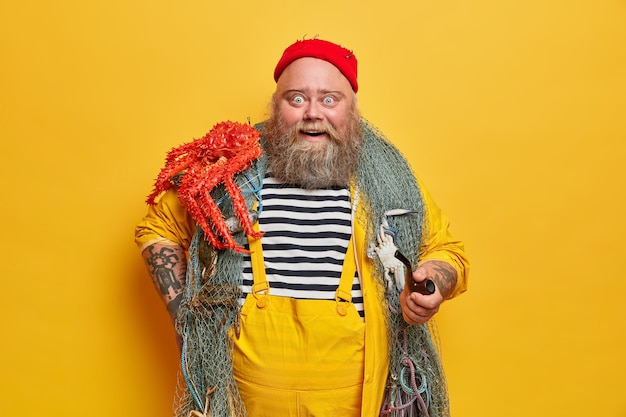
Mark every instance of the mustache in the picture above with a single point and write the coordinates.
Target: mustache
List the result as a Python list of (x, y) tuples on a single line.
[(317, 127)]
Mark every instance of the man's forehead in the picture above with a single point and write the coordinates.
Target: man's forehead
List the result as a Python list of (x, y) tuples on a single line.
[(313, 75)]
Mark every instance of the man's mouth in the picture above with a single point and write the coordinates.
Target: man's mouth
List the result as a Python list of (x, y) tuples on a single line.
[(313, 133)]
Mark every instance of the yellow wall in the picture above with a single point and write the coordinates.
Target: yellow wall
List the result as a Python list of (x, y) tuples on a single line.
[(511, 111)]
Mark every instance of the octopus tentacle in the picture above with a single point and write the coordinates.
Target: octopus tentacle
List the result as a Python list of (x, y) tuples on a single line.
[(196, 191), (239, 206), (213, 214), (163, 181), (228, 149), (191, 205)]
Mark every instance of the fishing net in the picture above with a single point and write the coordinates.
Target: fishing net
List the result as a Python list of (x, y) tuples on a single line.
[(209, 311), (416, 384)]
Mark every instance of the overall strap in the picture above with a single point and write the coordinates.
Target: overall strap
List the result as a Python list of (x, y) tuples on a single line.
[(261, 288)]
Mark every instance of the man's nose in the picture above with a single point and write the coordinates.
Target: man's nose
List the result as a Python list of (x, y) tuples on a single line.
[(313, 111)]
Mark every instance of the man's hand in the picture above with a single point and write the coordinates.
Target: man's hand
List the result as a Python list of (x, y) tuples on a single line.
[(418, 308)]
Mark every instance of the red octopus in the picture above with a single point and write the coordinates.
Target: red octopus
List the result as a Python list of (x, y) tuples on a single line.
[(228, 149)]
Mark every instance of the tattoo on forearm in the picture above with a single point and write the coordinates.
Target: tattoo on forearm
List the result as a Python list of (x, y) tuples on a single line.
[(163, 264), (444, 276)]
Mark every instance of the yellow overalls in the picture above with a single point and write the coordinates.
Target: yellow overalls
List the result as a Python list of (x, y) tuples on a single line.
[(169, 222), (300, 357)]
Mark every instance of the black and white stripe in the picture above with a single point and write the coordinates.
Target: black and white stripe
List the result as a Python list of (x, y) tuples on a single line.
[(305, 242)]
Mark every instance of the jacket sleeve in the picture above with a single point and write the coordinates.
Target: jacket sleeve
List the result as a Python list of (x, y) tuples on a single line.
[(166, 222), (439, 244)]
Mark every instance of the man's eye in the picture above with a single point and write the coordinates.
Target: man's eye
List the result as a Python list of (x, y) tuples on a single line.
[(298, 100), (329, 100)]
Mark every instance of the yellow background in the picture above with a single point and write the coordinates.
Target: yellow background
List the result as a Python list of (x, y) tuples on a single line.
[(511, 111)]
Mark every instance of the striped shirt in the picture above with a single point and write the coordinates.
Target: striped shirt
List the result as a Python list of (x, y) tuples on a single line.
[(305, 242)]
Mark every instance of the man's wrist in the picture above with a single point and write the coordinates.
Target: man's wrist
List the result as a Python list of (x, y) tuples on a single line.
[(172, 307)]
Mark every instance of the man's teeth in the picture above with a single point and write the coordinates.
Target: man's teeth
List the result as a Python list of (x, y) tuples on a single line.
[(313, 133)]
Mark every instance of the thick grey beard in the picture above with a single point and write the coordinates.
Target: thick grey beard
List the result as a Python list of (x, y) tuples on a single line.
[(313, 165)]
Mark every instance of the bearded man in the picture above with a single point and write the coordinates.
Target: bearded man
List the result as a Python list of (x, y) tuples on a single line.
[(316, 319)]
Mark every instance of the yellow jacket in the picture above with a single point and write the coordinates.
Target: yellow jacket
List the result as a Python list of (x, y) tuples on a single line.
[(167, 222)]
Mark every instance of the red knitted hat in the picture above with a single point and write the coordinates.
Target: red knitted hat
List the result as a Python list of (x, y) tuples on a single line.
[(342, 58)]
